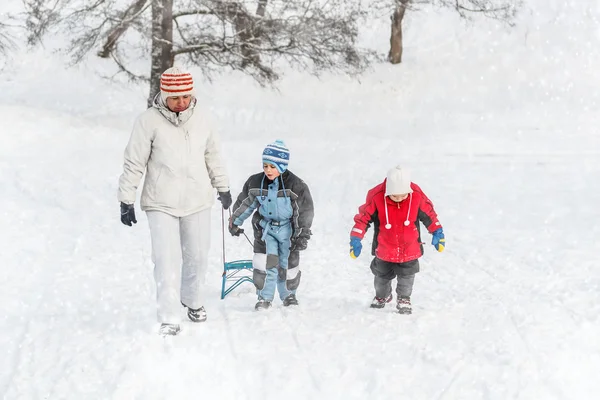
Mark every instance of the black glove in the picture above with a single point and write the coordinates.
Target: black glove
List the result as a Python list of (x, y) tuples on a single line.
[(128, 214), (299, 243), (225, 198), (235, 230)]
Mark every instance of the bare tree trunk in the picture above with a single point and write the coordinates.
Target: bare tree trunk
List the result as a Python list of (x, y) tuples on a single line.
[(251, 34), (162, 43), (395, 54)]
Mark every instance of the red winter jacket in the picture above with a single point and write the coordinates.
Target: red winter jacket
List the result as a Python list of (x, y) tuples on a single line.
[(396, 240)]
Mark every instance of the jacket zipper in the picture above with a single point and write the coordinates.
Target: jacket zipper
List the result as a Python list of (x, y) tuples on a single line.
[(187, 151)]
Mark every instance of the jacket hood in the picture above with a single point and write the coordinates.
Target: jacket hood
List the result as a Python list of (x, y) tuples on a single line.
[(176, 119)]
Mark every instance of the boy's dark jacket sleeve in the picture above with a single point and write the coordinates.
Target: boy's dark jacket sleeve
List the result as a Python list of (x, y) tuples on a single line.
[(245, 203), (240, 199), (303, 216)]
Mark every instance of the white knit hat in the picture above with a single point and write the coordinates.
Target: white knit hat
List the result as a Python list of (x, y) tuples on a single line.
[(176, 82), (398, 181)]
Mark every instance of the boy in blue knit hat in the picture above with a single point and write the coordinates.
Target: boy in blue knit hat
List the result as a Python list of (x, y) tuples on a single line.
[(283, 214)]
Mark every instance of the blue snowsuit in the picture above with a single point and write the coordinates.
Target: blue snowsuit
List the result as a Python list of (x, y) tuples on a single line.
[(280, 214)]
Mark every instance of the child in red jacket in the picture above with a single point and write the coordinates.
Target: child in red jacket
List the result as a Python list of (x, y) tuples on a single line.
[(395, 207)]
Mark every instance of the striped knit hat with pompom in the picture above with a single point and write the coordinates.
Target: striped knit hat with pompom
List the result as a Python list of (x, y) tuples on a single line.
[(278, 154), (176, 82)]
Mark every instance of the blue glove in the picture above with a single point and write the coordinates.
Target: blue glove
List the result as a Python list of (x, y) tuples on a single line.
[(355, 247), (438, 241)]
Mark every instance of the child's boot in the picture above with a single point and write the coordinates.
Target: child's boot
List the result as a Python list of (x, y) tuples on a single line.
[(403, 305), (380, 302), (262, 304), (290, 300)]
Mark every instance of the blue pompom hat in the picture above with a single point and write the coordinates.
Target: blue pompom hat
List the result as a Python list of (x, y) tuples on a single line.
[(278, 154)]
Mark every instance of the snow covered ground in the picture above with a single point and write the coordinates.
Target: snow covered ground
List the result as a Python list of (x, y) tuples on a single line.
[(502, 136)]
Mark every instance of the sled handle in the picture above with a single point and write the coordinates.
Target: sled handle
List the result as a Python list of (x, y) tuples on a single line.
[(223, 234)]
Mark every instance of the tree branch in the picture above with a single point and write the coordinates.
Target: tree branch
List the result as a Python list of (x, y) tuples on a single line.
[(6, 41), (192, 12), (129, 15), (123, 69)]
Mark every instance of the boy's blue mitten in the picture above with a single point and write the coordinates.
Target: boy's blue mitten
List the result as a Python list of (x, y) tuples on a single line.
[(355, 247), (438, 241)]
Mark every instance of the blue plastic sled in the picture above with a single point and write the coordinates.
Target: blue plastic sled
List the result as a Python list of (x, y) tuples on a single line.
[(234, 272), (231, 279)]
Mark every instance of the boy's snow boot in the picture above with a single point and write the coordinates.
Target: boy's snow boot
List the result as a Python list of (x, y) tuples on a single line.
[(379, 302), (169, 329), (198, 315), (290, 300), (403, 305), (262, 304)]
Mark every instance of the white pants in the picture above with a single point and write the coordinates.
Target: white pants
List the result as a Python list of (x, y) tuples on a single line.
[(180, 256)]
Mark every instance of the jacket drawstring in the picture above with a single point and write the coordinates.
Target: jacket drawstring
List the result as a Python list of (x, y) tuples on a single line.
[(407, 222), (283, 186), (262, 183), (387, 218)]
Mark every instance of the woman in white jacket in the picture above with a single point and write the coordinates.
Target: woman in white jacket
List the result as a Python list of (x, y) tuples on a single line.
[(175, 143)]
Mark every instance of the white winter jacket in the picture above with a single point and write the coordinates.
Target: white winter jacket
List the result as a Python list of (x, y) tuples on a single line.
[(181, 156)]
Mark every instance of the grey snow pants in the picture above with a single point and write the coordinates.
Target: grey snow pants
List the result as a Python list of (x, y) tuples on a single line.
[(385, 272), (180, 256)]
